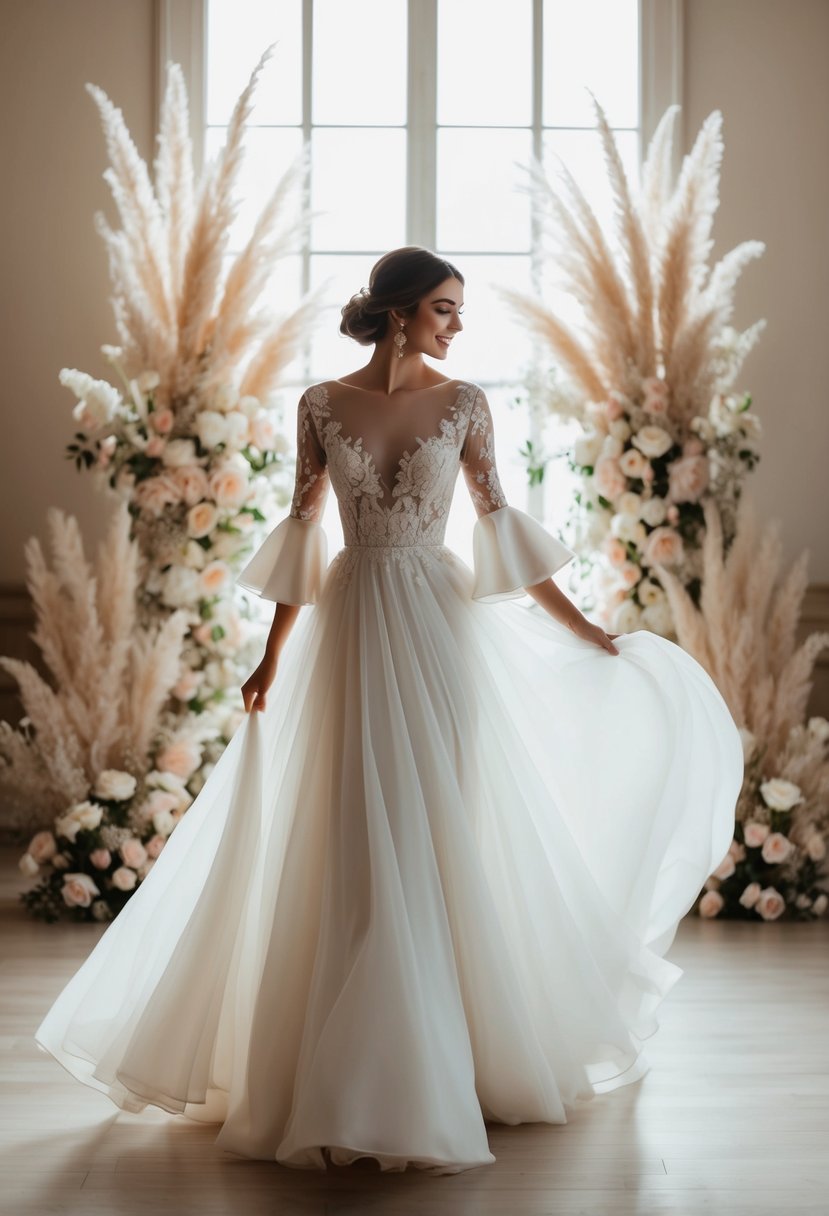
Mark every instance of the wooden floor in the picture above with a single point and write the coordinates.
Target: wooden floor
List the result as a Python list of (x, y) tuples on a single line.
[(732, 1119)]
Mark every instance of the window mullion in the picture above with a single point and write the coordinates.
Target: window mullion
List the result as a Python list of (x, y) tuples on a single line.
[(421, 149)]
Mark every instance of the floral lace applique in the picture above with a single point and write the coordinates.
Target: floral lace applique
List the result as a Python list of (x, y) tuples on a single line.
[(312, 480), (478, 459)]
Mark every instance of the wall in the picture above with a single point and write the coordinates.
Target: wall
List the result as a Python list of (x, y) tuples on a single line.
[(763, 64), (53, 274)]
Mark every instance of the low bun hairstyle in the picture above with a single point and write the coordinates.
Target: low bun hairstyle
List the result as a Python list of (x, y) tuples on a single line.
[(400, 280)]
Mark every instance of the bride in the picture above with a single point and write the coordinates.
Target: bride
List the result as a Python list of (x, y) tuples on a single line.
[(432, 879)]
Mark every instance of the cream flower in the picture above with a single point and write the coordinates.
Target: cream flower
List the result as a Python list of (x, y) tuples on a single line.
[(182, 757), (608, 477), (202, 519), (620, 429), (587, 447), (215, 577), (148, 380), (629, 503), (614, 550), (815, 847), (238, 425), (28, 866), (629, 574), (115, 785), (657, 618), (191, 483), (163, 822), (652, 441), (262, 432), (819, 728), (770, 904), (628, 527), (626, 618), (632, 463), (780, 795), (650, 593), (82, 816), (820, 904), (653, 511), (179, 452), (211, 428), (133, 853), (611, 447), (155, 494), (78, 890), (776, 848), (181, 588)]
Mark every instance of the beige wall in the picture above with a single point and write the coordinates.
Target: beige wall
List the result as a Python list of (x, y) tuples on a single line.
[(53, 274), (761, 61)]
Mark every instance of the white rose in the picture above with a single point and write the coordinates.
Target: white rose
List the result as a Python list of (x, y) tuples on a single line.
[(620, 429), (776, 848), (629, 503), (780, 795), (115, 784), (585, 450), (181, 587), (653, 511), (83, 815), (191, 482), (250, 406), (816, 847), (657, 618), (179, 452), (770, 904), (710, 904), (611, 447), (124, 879), (202, 519), (28, 866), (652, 441), (211, 428), (819, 728), (703, 428), (237, 429), (632, 463), (42, 847), (78, 889), (228, 486), (626, 618), (163, 822), (215, 577), (148, 380), (650, 593), (628, 527), (225, 398), (750, 895), (193, 556), (820, 904)]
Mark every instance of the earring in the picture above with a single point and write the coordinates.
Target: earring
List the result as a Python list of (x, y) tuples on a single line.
[(400, 340)]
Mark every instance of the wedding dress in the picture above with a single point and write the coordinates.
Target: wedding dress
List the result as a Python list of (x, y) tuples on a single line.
[(433, 882)]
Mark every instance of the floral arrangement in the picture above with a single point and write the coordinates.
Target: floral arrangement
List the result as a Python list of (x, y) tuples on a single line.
[(743, 633), (187, 434), (88, 752), (649, 373)]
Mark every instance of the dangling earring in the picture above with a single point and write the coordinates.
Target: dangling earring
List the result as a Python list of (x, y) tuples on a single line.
[(400, 340)]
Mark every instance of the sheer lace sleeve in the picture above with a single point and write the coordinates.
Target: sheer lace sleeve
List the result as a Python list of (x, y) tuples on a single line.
[(510, 549), (289, 566)]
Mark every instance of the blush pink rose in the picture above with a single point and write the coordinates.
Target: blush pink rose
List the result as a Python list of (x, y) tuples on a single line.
[(133, 853), (750, 895), (770, 904), (615, 552), (155, 445), (776, 847), (215, 577), (613, 409), (43, 847), (155, 494), (726, 867), (162, 421), (154, 845), (663, 547), (202, 519), (124, 879), (191, 481), (632, 463), (710, 904), (100, 858), (229, 486), (609, 478), (755, 833), (688, 479), (181, 757), (737, 850), (78, 890)]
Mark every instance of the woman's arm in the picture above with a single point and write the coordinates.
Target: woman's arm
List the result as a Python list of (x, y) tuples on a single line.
[(311, 484), (518, 543)]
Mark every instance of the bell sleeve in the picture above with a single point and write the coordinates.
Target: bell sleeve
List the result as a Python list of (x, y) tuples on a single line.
[(290, 565), (510, 549)]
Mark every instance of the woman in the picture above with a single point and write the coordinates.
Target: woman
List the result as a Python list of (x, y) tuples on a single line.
[(432, 878)]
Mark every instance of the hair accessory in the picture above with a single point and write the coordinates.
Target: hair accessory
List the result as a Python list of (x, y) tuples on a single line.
[(400, 340)]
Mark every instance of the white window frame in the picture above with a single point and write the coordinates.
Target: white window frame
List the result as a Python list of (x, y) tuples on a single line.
[(180, 27)]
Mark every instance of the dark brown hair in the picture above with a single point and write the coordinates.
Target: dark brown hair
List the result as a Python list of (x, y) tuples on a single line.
[(400, 279)]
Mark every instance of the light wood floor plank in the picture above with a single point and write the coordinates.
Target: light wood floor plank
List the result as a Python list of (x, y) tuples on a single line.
[(733, 1117)]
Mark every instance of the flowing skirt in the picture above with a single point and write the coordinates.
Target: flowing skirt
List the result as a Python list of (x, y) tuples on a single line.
[(430, 885)]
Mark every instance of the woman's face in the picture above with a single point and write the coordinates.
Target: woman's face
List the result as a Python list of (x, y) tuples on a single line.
[(438, 318)]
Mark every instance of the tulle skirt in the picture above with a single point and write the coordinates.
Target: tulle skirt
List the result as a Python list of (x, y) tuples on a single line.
[(430, 885)]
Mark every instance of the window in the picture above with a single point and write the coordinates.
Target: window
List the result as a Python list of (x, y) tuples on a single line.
[(417, 112)]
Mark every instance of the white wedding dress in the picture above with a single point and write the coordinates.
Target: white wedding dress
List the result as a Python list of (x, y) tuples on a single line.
[(432, 883)]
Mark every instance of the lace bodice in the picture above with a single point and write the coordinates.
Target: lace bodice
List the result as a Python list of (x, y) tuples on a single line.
[(393, 465)]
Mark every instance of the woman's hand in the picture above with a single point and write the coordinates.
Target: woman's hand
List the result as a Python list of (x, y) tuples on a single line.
[(255, 687), (593, 633)]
